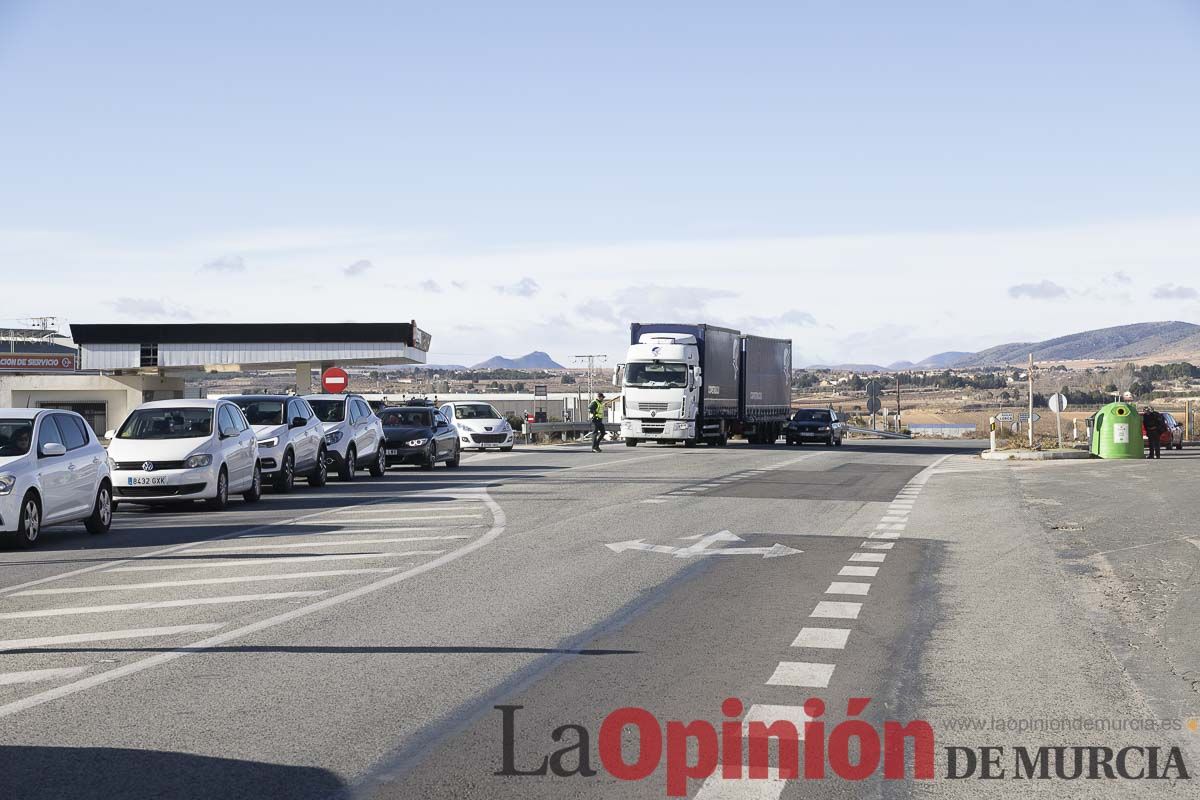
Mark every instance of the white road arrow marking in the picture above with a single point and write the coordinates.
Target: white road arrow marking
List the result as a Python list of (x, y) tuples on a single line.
[(702, 548)]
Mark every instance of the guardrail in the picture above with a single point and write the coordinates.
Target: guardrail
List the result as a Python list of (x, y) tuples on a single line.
[(880, 434), (533, 429)]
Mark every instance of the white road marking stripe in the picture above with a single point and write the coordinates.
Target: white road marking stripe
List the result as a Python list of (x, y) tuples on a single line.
[(768, 714), (322, 543), (878, 545), (104, 636), (254, 562), (846, 587), (279, 576), (197, 601), (498, 526), (884, 535), (831, 609), (364, 512), (744, 788), (360, 531), (859, 572), (889, 527), (801, 673), (825, 638), (894, 518), (401, 519), (868, 556), (34, 675)]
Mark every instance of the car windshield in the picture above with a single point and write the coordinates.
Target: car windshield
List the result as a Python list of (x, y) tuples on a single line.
[(329, 410), (15, 436), (656, 375), (406, 417), (262, 412), (168, 423), (475, 411), (807, 415)]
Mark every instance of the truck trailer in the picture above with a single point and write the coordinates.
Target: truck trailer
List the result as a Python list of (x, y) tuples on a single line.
[(695, 383)]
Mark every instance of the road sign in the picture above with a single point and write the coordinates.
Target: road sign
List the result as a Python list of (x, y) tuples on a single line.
[(335, 380), (37, 362), (873, 404), (1025, 416), (702, 547), (1016, 427), (1004, 416), (1058, 403), (873, 389)]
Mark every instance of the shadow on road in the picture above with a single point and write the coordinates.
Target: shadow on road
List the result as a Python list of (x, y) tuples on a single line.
[(58, 773)]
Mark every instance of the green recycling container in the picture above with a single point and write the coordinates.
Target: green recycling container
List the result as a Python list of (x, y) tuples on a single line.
[(1117, 432)]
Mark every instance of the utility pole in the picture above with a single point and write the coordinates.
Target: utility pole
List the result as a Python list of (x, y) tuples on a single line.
[(1031, 401), (591, 358), (899, 426)]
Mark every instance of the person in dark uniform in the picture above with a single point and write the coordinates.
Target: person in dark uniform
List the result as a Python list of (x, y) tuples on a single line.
[(596, 410), (1155, 425)]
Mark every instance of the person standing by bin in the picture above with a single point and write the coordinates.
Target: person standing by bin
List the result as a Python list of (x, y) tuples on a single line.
[(1155, 425), (596, 409)]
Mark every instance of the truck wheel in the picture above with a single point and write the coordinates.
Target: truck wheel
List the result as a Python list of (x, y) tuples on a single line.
[(689, 442), (631, 442)]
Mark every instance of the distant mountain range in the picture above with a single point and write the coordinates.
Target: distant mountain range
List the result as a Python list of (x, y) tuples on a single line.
[(535, 360), (1156, 341)]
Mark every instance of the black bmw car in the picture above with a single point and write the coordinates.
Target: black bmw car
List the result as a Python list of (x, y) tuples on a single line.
[(418, 435), (814, 425)]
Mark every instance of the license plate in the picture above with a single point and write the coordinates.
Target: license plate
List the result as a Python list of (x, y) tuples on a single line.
[(155, 481), (392, 452)]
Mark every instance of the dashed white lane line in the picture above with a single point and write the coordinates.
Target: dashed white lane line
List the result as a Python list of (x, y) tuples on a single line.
[(743, 788), (35, 675), (277, 576), (884, 535), (893, 519), (884, 526), (252, 562), (362, 531), (196, 601), (801, 673), (878, 545), (352, 522), (767, 714), (868, 556), (105, 636), (322, 543), (846, 587), (824, 638), (832, 609), (858, 572)]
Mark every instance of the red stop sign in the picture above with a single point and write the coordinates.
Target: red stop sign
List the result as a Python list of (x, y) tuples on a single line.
[(335, 380)]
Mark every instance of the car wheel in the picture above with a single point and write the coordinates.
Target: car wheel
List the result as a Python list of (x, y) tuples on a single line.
[(285, 481), (829, 442), (379, 465), (838, 441), (506, 449), (254, 493), (456, 459), (429, 460), (349, 465), (29, 522), (221, 501), (320, 473), (101, 519)]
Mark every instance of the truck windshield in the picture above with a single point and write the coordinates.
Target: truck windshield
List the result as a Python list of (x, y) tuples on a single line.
[(656, 375)]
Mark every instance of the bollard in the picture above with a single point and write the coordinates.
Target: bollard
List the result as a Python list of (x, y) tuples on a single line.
[(992, 425)]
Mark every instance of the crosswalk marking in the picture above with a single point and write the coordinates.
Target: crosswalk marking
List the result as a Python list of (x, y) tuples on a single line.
[(35, 675), (833, 609), (801, 673), (195, 601), (249, 562), (858, 572), (768, 714), (824, 638), (105, 636), (868, 556), (846, 587), (279, 576), (743, 788)]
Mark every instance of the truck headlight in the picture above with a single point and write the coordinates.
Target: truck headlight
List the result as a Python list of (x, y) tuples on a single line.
[(269, 442), (333, 437), (7, 482), (416, 442), (197, 461)]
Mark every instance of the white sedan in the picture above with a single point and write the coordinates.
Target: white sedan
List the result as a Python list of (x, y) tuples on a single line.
[(479, 425), (52, 470)]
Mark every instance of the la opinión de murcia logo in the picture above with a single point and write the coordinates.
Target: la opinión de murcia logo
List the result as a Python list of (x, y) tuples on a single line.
[(696, 750)]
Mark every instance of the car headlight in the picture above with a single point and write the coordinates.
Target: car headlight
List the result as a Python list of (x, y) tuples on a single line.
[(333, 437), (416, 442), (7, 482), (197, 461), (823, 429), (269, 442)]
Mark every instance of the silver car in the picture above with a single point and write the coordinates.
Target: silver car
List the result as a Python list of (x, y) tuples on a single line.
[(291, 440)]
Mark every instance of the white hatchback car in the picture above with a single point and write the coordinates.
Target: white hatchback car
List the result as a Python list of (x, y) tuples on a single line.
[(63, 478), (353, 434), (180, 450), (479, 425), (291, 440)]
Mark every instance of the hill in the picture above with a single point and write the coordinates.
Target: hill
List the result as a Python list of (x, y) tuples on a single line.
[(1142, 340), (535, 360), (943, 360)]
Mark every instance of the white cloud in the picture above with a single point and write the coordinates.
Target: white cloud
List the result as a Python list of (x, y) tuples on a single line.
[(1043, 290), (226, 264), (526, 287), (358, 268), (148, 308), (430, 286), (1169, 291)]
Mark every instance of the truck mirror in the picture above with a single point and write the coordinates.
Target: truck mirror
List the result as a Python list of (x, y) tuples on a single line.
[(618, 374)]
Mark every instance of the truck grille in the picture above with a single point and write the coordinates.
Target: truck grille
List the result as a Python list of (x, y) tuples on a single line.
[(652, 406)]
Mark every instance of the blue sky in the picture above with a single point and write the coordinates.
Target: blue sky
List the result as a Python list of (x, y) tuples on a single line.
[(876, 180)]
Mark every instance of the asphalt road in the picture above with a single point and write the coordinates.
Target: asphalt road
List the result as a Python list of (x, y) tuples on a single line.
[(356, 641)]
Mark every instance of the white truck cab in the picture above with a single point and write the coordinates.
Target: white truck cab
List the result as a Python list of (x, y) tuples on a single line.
[(661, 382)]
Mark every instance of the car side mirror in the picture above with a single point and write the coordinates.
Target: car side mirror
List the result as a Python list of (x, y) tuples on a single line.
[(110, 435), (299, 422), (51, 449)]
